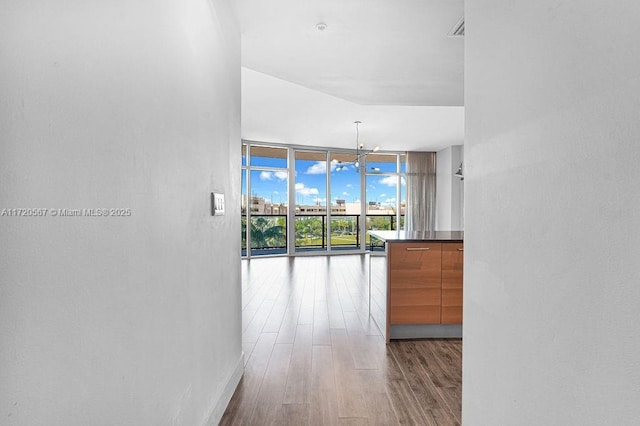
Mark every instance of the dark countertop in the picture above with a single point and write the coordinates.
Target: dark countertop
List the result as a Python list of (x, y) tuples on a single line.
[(418, 236)]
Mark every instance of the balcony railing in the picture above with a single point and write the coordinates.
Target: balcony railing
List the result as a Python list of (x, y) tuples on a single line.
[(269, 232)]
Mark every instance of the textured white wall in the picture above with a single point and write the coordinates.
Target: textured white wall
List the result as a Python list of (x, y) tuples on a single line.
[(552, 98), (133, 104)]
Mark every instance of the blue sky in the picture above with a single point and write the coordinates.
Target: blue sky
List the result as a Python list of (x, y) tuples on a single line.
[(311, 184)]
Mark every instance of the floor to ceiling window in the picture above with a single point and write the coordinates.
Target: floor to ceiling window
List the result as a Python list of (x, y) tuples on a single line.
[(386, 192), (265, 177), (325, 189), (311, 200), (346, 205)]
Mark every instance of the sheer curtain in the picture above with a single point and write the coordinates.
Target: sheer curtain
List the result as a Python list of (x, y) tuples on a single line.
[(421, 191)]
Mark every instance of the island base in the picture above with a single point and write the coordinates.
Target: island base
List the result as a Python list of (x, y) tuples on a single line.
[(425, 331)]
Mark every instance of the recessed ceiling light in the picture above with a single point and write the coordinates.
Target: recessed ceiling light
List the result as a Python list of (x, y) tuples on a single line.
[(321, 26)]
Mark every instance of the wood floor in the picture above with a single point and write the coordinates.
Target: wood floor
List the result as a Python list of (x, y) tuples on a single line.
[(313, 357)]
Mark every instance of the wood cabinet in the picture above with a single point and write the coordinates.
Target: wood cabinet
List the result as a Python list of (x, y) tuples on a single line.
[(425, 283), (452, 255)]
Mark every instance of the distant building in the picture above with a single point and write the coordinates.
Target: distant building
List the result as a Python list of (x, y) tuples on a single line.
[(262, 206)]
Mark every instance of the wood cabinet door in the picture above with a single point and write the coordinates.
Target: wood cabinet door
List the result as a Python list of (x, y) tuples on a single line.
[(415, 279), (452, 267)]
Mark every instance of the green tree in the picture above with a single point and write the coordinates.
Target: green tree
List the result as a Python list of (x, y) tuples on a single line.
[(379, 222), (266, 232), (244, 233), (309, 231), (341, 226)]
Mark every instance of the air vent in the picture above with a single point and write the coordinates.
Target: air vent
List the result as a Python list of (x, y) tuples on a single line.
[(458, 29)]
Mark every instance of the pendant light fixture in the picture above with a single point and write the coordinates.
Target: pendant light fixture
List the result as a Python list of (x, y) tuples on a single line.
[(360, 152)]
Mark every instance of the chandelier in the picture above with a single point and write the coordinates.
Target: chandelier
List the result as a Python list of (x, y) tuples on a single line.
[(360, 152)]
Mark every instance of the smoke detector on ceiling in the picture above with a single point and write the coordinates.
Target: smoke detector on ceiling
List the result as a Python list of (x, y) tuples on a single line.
[(321, 26), (458, 29)]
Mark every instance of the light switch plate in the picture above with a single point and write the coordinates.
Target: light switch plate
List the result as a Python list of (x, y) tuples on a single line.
[(217, 204)]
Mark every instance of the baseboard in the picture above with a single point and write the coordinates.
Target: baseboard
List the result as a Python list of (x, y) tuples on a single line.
[(227, 393)]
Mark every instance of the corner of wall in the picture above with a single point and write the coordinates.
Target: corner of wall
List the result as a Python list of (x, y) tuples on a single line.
[(225, 396)]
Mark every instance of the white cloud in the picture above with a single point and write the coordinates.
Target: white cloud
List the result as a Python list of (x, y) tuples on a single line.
[(271, 175), (389, 181), (345, 193), (306, 191), (383, 195), (265, 175), (349, 185), (320, 168), (319, 200)]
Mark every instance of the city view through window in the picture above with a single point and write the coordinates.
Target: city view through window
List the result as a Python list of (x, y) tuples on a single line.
[(310, 182)]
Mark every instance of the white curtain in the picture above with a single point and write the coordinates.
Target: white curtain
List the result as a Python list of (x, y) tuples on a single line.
[(421, 191)]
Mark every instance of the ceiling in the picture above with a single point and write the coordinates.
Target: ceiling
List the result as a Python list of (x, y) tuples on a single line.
[(391, 65)]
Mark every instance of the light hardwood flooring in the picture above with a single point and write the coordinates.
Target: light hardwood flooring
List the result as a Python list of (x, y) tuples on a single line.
[(314, 357)]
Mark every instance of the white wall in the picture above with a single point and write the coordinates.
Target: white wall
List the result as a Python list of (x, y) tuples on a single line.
[(449, 190), (119, 104), (552, 97)]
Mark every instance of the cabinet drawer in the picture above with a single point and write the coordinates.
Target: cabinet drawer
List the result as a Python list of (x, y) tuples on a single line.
[(415, 265), (415, 315), (451, 315), (451, 297), (415, 306), (451, 306), (415, 296)]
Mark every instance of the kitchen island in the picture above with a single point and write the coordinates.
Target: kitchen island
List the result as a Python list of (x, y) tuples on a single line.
[(415, 283)]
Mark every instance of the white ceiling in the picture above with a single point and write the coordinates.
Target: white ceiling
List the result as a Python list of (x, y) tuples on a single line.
[(389, 64)]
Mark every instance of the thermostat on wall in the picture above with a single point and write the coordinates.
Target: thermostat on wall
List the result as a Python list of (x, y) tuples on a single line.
[(217, 204)]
